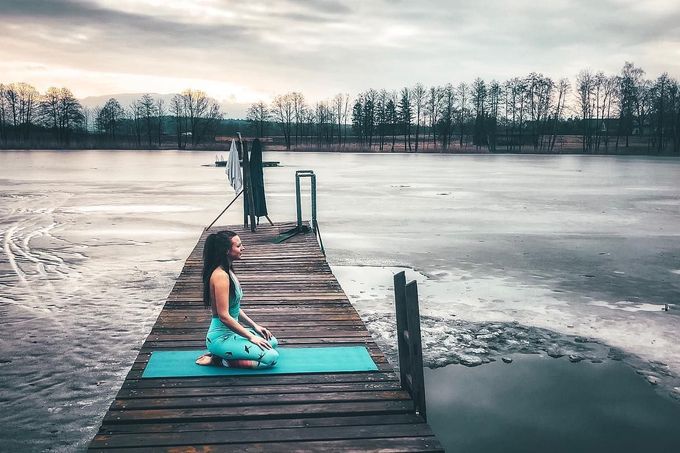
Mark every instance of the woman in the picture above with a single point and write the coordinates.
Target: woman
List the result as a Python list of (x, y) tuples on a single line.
[(227, 340)]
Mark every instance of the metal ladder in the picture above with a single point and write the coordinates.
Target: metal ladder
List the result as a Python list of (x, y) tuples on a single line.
[(299, 227)]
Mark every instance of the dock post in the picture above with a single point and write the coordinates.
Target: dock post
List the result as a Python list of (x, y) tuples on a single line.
[(298, 200), (400, 305), (248, 200), (313, 184), (409, 341), (415, 347)]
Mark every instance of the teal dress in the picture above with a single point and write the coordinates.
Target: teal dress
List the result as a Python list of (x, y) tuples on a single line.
[(227, 344)]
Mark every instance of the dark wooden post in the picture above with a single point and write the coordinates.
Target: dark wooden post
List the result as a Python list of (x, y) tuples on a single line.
[(409, 341), (248, 200), (415, 347), (400, 305)]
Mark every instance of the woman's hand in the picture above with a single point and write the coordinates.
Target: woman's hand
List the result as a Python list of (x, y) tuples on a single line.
[(259, 341), (264, 332)]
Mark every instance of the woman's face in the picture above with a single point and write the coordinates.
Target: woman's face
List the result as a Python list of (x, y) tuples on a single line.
[(236, 249)]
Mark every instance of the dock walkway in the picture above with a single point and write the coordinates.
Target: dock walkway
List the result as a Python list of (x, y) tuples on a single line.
[(289, 288)]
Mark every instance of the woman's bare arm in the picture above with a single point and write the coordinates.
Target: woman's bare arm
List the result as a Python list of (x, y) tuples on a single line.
[(220, 282), (258, 328), (246, 319)]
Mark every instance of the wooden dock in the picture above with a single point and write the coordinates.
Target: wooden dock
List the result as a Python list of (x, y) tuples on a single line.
[(290, 289)]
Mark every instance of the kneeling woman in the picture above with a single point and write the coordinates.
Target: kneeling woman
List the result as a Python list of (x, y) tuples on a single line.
[(227, 339)]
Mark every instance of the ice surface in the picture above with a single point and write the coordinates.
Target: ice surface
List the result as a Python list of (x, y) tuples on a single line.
[(512, 254), (132, 209), (458, 325)]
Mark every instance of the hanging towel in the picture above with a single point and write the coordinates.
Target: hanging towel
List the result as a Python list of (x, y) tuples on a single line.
[(233, 169)]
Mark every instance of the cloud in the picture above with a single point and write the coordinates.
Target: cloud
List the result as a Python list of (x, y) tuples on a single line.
[(322, 47)]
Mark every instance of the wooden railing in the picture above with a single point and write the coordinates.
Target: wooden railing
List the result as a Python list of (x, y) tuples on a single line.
[(409, 341)]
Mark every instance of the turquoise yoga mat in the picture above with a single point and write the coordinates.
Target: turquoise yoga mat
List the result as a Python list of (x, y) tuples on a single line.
[(169, 364)]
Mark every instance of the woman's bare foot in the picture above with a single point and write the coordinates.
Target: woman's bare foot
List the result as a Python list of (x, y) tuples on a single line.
[(207, 359)]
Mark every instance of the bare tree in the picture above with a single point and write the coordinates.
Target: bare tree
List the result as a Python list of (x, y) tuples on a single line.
[(136, 115), (406, 116), (28, 102), (324, 120), (160, 112), (674, 117), (195, 105), (494, 97), (11, 96), (447, 115), (345, 114), (462, 93), (539, 98), (300, 111), (381, 117), (61, 112), (358, 117), (49, 106), (258, 114), (479, 93), (644, 106), (418, 92), (433, 109), (4, 112), (606, 92), (202, 114), (340, 107), (630, 83), (364, 117), (562, 91), (585, 86), (284, 113), (109, 118), (147, 111), (369, 115), (517, 95), (178, 109), (392, 116), (87, 119), (662, 91), (21, 101)]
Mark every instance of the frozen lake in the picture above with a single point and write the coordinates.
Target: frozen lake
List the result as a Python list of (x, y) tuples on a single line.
[(559, 255)]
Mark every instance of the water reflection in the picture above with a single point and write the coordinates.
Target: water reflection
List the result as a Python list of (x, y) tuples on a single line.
[(540, 404)]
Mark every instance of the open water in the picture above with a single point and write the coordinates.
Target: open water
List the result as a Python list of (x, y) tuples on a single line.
[(560, 256)]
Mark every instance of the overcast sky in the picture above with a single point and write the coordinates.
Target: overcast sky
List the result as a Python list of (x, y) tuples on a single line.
[(242, 51)]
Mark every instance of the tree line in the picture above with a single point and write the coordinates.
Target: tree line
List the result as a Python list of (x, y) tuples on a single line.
[(597, 113), (57, 119)]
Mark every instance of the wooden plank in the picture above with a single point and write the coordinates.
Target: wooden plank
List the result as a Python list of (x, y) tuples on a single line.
[(278, 379), (255, 390), (301, 422), (382, 445), (272, 410), (269, 435), (257, 399)]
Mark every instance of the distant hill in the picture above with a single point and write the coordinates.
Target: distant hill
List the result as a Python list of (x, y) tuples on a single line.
[(230, 109)]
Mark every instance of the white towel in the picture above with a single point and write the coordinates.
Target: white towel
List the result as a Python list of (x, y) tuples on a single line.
[(233, 169)]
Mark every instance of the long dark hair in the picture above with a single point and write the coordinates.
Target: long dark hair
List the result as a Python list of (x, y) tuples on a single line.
[(215, 254)]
